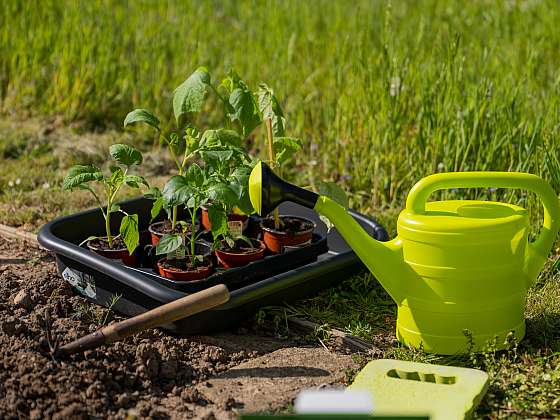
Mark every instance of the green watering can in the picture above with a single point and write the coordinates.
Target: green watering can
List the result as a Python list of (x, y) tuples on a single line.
[(458, 270)]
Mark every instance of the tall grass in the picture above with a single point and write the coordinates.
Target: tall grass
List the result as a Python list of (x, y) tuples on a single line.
[(382, 94)]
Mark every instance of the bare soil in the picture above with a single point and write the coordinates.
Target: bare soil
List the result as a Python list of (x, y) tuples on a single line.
[(289, 224), (100, 243), (164, 228), (241, 247), (185, 264), (149, 375)]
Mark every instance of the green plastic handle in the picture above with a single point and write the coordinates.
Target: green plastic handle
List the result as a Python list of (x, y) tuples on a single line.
[(416, 201)]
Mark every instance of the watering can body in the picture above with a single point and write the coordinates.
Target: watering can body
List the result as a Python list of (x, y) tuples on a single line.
[(458, 270)]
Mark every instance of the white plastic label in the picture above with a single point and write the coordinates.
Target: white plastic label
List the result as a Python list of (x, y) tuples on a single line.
[(235, 227), (82, 282)]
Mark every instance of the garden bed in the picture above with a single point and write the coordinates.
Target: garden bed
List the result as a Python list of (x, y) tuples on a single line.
[(150, 374)]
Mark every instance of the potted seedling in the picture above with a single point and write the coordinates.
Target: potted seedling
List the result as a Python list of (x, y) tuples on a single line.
[(227, 164), (181, 149), (232, 248), (281, 232), (81, 177), (188, 99), (187, 258)]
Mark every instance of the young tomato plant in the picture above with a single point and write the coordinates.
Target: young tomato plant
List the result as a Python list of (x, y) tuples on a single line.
[(81, 176), (192, 190), (188, 190)]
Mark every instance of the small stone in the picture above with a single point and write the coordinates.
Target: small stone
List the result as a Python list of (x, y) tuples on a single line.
[(191, 395), (13, 326), (23, 300), (73, 411), (122, 400)]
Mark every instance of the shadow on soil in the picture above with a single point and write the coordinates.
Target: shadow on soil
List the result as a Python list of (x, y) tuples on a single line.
[(275, 372)]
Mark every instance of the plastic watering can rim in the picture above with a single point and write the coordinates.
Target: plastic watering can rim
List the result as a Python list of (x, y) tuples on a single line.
[(419, 194)]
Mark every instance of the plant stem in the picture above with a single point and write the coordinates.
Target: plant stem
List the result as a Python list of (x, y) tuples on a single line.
[(108, 225), (193, 238), (270, 138)]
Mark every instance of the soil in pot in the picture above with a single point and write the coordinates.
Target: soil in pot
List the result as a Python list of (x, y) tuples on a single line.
[(294, 231), (183, 270), (241, 254), (117, 252), (232, 217), (159, 229)]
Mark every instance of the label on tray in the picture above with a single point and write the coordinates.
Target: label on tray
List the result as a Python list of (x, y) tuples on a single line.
[(235, 227), (82, 282)]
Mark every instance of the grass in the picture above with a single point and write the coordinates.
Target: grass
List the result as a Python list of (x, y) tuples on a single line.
[(382, 94)]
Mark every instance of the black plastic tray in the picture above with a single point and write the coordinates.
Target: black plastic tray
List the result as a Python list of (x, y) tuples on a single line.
[(101, 280)]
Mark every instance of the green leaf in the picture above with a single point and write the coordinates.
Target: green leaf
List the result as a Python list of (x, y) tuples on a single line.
[(169, 243), (129, 232), (89, 238), (195, 176), (141, 115), (114, 208), (156, 208), (245, 109), (134, 181), (271, 109), (240, 185), (232, 81), (125, 154), (117, 176), (189, 95), (220, 137), (80, 174), (176, 191), (218, 220), (153, 193), (334, 192), (285, 148), (217, 155), (223, 193)]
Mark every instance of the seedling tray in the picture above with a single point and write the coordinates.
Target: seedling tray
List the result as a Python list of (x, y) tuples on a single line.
[(297, 274)]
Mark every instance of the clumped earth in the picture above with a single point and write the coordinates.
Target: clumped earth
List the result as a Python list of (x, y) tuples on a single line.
[(149, 375)]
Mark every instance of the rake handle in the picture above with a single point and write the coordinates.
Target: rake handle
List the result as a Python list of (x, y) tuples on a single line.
[(172, 311)]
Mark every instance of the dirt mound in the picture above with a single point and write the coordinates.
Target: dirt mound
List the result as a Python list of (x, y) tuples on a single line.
[(150, 374)]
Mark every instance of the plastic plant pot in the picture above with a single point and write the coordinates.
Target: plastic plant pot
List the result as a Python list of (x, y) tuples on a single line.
[(201, 272), (277, 241), (156, 235), (232, 217), (120, 254), (228, 259)]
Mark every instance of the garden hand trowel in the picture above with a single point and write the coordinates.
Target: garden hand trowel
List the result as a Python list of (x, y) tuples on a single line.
[(165, 314)]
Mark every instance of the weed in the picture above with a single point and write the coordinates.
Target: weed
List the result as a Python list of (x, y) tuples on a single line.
[(95, 315)]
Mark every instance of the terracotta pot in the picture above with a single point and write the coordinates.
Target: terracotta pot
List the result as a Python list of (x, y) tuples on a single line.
[(231, 218), (120, 255), (156, 236), (177, 274), (230, 259), (276, 240)]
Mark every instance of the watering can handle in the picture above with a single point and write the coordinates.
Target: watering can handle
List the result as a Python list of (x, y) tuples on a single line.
[(416, 201)]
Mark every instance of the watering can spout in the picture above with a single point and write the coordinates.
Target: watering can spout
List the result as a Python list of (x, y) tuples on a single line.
[(383, 259)]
